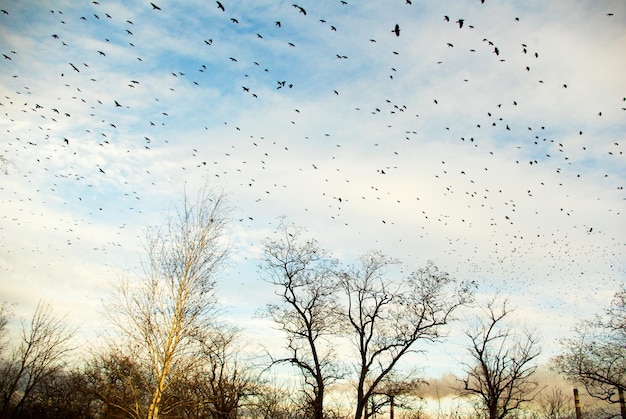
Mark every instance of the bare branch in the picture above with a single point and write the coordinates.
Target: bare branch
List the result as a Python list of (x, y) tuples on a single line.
[(502, 364), (164, 313), (42, 351), (389, 317), (596, 356), (306, 285)]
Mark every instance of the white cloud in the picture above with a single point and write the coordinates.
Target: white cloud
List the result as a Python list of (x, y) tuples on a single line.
[(451, 177)]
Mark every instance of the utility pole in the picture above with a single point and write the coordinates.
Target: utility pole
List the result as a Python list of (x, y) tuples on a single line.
[(577, 404)]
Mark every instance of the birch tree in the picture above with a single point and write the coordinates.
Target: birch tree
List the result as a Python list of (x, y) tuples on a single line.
[(163, 313)]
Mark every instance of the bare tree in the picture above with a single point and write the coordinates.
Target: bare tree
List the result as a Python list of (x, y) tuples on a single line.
[(5, 316), (304, 277), (387, 318), (555, 405), (225, 382), (164, 312), (119, 382), (271, 401), (63, 394), (43, 348), (395, 392), (596, 356), (502, 364)]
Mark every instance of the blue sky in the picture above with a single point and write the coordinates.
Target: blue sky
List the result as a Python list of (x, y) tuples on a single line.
[(427, 138)]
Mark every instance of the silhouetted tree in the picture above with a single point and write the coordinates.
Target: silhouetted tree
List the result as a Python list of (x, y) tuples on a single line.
[(502, 364), (40, 352), (307, 312), (271, 401), (555, 405), (224, 382), (394, 392), (596, 356), (119, 382), (63, 394), (387, 318), (5, 316)]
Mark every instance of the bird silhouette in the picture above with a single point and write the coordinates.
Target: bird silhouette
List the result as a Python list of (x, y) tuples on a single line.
[(396, 30)]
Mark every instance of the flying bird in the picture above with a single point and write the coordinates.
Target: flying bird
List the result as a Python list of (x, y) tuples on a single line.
[(396, 30), (155, 7), (300, 8), (220, 6)]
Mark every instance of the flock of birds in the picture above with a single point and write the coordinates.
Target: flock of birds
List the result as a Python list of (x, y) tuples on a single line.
[(77, 130)]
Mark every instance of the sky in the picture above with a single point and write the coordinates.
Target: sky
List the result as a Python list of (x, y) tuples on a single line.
[(487, 137)]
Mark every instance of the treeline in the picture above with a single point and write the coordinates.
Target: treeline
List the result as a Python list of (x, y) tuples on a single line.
[(169, 356)]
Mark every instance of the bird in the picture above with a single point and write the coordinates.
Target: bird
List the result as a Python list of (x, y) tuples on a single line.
[(155, 7), (396, 30), (300, 8), (460, 22), (220, 6)]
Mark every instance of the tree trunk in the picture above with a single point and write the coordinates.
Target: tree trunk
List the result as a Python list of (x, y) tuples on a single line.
[(318, 405), (493, 411), (361, 402), (622, 404), (153, 411)]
